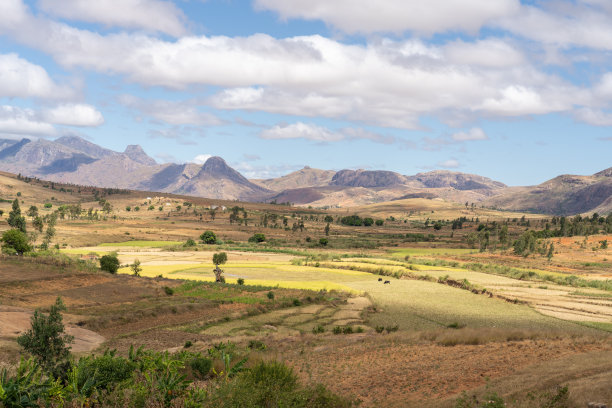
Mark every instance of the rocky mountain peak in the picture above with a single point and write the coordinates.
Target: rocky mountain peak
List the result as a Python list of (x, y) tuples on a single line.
[(604, 173), (367, 178), (136, 153)]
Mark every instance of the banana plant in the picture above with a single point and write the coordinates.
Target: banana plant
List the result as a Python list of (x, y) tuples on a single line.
[(25, 388)]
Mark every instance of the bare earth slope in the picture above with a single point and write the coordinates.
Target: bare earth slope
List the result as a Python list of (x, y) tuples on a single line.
[(563, 195)]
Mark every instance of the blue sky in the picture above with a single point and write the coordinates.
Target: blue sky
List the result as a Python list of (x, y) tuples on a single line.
[(516, 91)]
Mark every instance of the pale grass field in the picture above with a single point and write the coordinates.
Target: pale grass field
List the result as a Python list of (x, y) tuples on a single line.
[(411, 304)]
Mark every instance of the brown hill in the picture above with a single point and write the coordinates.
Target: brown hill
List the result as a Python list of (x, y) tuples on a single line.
[(456, 180), (306, 177), (563, 195), (367, 178)]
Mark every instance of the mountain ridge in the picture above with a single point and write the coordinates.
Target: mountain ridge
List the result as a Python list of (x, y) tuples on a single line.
[(75, 160)]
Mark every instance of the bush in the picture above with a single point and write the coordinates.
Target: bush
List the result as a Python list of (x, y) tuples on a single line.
[(379, 223), (258, 237), (353, 220), (48, 205), (15, 241), (189, 243), (188, 344), (318, 329), (106, 370), (257, 345), (208, 237), (367, 222), (379, 329), (201, 366), (46, 339), (240, 281), (270, 295), (168, 290), (323, 241), (337, 330), (109, 263)]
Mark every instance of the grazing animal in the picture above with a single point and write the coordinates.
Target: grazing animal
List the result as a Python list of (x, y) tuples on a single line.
[(389, 282), (380, 279)]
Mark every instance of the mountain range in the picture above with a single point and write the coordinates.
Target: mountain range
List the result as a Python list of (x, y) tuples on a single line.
[(72, 159)]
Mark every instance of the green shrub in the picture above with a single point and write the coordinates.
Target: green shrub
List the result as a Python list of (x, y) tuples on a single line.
[(189, 243), (188, 344), (347, 330), (323, 241), (391, 329), (270, 295), (258, 237), (109, 263), (256, 345), (240, 281), (201, 366), (297, 302), (379, 329), (168, 290), (48, 205), (15, 241), (208, 237), (337, 330), (106, 370), (318, 329)]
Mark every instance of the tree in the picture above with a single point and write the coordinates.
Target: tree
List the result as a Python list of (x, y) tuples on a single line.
[(46, 339), (219, 259), (15, 242), (15, 219), (136, 268), (212, 212), (327, 228), (50, 232), (38, 224), (109, 263), (33, 211), (107, 207), (208, 237), (328, 218), (379, 223), (503, 236), (551, 251)]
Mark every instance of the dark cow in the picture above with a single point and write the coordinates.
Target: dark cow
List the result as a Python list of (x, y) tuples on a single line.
[(380, 279), (389, 282)]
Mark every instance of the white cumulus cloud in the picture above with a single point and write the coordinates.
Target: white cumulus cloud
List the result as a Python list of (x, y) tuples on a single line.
[(472, 134), (152, 15), (22, 79), (74, 115), (301, 131), (22, 121), (366, 16), (449, 164)]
